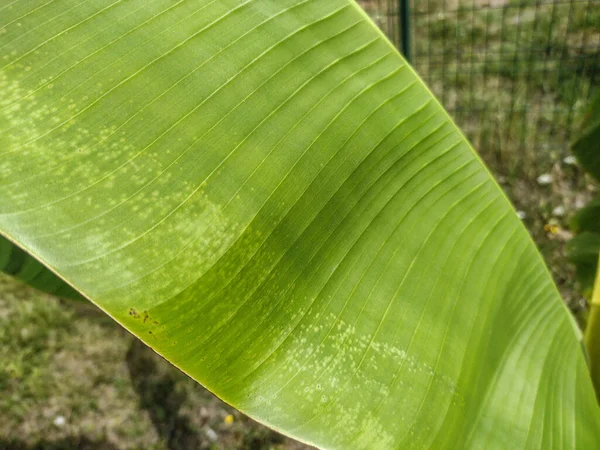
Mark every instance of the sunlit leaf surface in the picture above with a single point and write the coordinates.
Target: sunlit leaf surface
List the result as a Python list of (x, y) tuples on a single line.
[(268, 196)]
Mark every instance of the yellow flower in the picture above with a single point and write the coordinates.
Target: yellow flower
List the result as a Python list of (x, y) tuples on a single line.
[(229, 419)]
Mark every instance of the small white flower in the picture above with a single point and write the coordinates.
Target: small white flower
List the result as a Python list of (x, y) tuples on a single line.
[(544, 179), (521, 214), (570, 160), (60, 421), (559, 211)]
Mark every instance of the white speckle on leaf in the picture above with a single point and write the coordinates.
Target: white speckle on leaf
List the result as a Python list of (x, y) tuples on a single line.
[(521, 214)]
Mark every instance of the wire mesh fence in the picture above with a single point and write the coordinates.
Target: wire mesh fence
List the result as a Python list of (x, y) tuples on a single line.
[(515, 74)]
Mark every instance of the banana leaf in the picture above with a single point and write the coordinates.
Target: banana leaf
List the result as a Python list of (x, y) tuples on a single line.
[(267, 195)]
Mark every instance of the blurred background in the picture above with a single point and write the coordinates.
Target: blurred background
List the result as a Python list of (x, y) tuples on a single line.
[(516, 75)]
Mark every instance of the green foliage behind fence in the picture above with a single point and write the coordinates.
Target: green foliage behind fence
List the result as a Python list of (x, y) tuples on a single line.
[(515, 74)]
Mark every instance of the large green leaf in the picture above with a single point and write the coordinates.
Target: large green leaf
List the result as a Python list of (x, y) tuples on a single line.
[(266, 194)]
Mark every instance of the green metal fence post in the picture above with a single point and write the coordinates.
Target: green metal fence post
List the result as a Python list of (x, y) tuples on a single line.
[(404, 6)]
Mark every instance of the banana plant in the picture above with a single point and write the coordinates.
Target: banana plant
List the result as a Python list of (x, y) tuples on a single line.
[(265, 193), (584, 249)]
